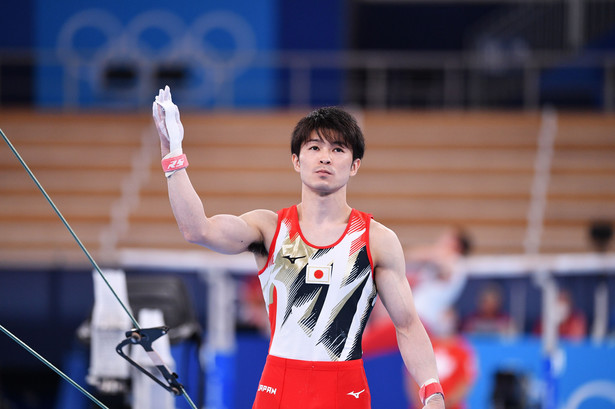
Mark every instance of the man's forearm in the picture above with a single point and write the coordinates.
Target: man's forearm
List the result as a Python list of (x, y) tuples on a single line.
[(187, 206), (417, 352)]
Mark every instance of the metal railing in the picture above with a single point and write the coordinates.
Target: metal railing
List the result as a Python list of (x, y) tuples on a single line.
[(433, 80)]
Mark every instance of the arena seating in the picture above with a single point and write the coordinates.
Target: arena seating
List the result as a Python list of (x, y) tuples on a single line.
[(423, 172), (80, 160)]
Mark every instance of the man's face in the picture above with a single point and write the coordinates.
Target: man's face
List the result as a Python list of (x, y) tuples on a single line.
[(325, 166)]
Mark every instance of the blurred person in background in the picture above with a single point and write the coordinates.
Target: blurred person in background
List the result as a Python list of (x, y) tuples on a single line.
[(489, 317), (437, 274), (572, 323)]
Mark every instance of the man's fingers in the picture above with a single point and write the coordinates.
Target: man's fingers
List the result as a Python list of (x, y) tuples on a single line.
[(159, 103), (164, 98), (157, 109), (159, 118)]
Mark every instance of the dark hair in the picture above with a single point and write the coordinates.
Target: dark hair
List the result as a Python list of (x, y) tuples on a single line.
[(465, 245), (464, 241), (333, 125)]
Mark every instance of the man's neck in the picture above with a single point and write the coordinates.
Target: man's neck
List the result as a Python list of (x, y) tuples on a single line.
[(319, 209), (323, 219)]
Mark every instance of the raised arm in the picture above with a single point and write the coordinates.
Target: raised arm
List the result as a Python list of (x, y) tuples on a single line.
[(395, 293), (223, 233)]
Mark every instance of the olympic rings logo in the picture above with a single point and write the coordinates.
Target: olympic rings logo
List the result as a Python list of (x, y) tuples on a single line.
[(595, 389), (156, 36)]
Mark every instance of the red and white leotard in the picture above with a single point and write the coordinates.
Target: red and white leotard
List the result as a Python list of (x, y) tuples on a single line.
[(318, 298)]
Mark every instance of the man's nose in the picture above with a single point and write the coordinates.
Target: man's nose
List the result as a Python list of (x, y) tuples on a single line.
[(325, 158)]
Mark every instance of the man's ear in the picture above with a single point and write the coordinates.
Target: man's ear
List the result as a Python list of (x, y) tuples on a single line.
[(296, 162), (354, 168)]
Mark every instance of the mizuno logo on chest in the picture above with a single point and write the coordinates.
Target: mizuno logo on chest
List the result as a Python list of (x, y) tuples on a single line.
[(292, 259)]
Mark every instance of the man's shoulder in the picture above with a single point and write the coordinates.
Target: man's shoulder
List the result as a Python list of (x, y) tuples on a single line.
[(382, 238), (261, 218), (260, 214), (380, 229)]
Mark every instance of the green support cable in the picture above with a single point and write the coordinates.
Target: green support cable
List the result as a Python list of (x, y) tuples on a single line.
[(92, 261), (71, 231), (52, 367)]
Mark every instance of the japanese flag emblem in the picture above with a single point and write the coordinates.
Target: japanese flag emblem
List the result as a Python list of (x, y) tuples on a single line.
[(318, 275)]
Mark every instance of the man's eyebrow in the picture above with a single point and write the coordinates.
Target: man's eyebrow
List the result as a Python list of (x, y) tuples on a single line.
[(339, 142)]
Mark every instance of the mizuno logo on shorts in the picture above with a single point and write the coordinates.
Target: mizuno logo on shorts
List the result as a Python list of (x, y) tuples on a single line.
[(267, 389), (356, 394)]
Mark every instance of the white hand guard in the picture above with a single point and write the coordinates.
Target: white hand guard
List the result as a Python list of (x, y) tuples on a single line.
[(167, 120)]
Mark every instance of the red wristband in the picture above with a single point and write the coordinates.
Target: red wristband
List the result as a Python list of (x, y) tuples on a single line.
[(175, 163), (430, 389)]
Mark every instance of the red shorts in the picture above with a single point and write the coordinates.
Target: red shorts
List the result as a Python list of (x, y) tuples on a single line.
[(294, 384)]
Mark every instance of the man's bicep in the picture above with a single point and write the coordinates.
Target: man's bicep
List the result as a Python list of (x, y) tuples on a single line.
[(390, 276), (234, 234), (396, 296)]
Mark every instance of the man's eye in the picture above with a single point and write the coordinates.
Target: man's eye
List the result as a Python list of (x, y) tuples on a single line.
[(315, 148)]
